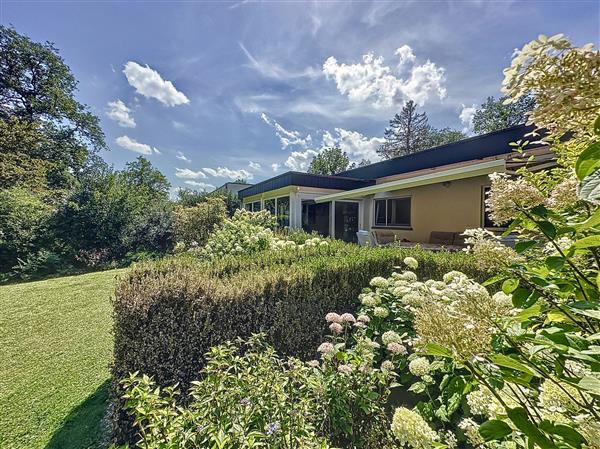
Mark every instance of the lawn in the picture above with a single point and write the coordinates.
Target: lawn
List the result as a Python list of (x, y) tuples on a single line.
[(55, 351)]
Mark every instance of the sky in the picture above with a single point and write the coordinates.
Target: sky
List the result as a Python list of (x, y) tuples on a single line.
[(214, 91)]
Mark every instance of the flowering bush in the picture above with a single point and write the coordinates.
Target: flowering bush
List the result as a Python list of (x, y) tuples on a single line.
[(246, 397)]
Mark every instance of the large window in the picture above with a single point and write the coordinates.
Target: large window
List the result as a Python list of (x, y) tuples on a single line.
[(256, 206), (283, 211), (393, 212), (270, 205)]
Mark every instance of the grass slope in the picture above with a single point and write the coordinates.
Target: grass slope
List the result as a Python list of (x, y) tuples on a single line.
[(55, 350)]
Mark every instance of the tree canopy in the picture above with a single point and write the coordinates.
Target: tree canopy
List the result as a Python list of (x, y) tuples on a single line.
[(494, 114), (329, 162), (410, 132)]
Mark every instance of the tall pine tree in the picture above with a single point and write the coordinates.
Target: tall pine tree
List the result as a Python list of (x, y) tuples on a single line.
[(408, 133)]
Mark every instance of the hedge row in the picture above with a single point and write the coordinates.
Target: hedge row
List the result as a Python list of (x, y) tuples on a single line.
[(168, 314)]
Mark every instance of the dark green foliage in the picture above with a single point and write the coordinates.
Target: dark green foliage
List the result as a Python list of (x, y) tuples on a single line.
[(493, 114), (189, 198), (195, 223), (329, 162), (410, 132), (168, 314), (113, 213)]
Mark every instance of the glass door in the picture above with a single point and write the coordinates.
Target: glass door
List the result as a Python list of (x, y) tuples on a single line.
[(346, 221)]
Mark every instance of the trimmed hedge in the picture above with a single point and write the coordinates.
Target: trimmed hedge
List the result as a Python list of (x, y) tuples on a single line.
[(168, 314)]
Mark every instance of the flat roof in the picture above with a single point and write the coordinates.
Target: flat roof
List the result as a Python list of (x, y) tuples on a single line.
[(294, 178), (478, 147)]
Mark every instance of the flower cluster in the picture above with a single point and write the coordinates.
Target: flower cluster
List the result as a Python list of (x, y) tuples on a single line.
[(489, 250), (508, 197), (411, 429)]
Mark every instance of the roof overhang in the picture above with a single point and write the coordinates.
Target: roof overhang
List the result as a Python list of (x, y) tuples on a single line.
[(469, 171)]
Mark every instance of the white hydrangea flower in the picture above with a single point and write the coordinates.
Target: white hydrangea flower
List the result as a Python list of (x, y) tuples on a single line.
[(381, 312), (419, 366), (348, 318), (363, 318), (411, 263), (387, 365), (390, 337), (396, 348), (336, 328), (333, 317), (379, 282), (326, 348), (345, 369), (411, 429), (471, 431)]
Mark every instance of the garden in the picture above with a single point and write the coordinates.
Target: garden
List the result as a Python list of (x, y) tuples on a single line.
[(255, 338)]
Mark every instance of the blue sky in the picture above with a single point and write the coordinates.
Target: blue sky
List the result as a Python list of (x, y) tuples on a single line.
[(209, 91)]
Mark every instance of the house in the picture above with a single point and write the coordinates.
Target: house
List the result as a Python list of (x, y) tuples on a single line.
[(441, 189), (233, 187)]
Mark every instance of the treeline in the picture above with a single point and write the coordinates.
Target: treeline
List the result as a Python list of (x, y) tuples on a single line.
[(62, 208)]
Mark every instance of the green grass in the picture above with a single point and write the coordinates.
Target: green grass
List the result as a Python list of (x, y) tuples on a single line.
[(55, 351)]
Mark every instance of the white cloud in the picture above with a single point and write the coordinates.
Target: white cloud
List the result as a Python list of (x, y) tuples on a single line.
[(150, 84), (300, 160), (178, 125), (275, 167), (287, 137), (202, 185), (133, 145), (224, 172), (383, 86), (466, 116), (186, 173), (254, 165), (182, 157), (272, 70), (120, 113), (355, 144)]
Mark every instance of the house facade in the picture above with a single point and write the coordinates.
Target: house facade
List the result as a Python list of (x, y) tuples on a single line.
[(440, 190)]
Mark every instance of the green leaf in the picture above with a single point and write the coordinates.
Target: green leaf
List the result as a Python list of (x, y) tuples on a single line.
[(568, 434), (532, 311), (510, 285), (494, 429), (519, 296), (590, 384), (594, 220), (589, 189), (520, 419), (521, 247), (597, 126), (588, 161), (547, 228), (509, 362), (437, 350), (587, 242), (555, 262)]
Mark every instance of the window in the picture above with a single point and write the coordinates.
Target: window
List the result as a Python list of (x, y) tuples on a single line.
[(248, 206), (283, 211), (393, 212), (270, 205), (256, 206)]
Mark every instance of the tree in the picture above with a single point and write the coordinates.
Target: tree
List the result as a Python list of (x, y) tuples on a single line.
[(329, 162), (407, 133), (437, 137), (39, 114), (493, 114)]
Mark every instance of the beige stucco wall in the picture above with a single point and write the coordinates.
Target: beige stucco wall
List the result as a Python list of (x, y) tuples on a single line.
[(453, 207)]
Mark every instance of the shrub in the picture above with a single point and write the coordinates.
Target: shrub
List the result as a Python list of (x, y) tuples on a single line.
[(195, 223), (246, 396), (168, 314)]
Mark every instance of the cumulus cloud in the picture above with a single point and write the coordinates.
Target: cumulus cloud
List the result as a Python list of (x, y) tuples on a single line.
[(150, 84), (224, 172), (254, 165), (133, 145), (120, 113), (466, 116), (275, 167), (182, 157), (385, 87), (186, 173), (202, 185), (356, 145), (300, 160), (287, 137)]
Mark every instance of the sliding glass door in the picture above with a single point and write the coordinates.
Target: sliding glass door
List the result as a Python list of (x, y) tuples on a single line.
[(346, 221)]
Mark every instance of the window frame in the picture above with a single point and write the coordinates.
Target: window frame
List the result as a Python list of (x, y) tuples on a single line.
[(387, 209)]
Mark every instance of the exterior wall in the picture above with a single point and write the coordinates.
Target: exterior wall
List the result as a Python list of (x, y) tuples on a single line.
[(448, 207)]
